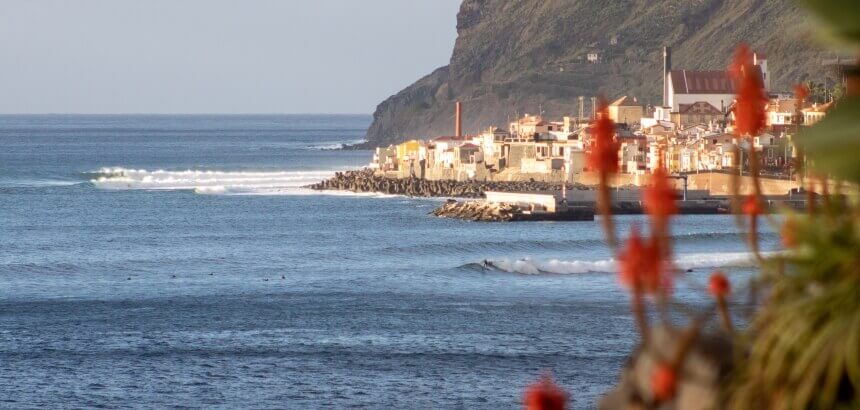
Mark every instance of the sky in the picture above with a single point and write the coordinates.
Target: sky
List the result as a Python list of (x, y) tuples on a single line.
[(217, 56)]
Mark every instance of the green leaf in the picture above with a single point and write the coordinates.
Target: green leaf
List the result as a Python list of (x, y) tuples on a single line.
[(840, 17), (833, 144)]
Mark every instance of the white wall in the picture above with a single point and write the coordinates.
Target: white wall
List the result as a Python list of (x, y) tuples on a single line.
[(547, 201), (717, 100)]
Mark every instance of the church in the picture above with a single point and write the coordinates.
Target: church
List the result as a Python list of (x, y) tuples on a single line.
[(699, 91)]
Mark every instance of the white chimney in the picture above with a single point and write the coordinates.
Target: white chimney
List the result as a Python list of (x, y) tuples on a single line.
[(760, 60), (667, 68)]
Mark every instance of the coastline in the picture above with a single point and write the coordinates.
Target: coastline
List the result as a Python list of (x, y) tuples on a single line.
[(579, 202), (366, 180)]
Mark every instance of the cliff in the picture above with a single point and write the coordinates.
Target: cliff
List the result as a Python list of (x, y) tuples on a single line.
[(516, 57)]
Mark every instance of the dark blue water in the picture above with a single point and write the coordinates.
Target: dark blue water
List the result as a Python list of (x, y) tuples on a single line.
[(154, 261)]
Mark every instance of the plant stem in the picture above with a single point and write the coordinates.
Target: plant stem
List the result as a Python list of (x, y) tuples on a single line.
[(810, 197), (686, 342), (723, 308), (604, 207), (753, 237), (639, 314)]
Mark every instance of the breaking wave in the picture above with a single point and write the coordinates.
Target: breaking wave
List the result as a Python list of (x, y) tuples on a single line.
[(332, 145), (529, 266), (215, 182), (36, 183)]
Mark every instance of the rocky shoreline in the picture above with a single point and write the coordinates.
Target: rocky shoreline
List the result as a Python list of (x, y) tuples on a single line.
[(366, 181), (482, 211), (477, 211)]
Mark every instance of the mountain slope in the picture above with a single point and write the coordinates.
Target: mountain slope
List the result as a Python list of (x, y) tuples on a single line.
[(515, 57)]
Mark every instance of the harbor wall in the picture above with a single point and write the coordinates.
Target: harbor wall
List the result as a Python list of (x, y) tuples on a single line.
[(718, 183)]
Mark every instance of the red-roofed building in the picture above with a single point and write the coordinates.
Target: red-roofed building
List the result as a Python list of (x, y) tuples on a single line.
[(686, 87), (714, 87)]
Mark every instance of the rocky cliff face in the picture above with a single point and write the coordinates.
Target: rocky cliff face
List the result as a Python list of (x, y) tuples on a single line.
[(516, 57)]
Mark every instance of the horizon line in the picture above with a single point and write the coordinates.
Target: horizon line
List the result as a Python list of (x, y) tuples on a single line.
[(181, 113)]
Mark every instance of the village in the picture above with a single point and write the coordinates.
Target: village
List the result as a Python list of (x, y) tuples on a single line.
[(691, 133)]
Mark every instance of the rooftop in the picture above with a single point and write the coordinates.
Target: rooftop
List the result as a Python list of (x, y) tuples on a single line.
[(819, 107), (625, 101), (699, 107), (703, 82)]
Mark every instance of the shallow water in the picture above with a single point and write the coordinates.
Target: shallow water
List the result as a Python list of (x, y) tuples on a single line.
[(154, 261)]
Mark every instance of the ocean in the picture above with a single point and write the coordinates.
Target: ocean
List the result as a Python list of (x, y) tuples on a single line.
[(176, 261)]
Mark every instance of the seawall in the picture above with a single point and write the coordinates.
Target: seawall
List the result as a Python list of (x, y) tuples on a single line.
[(368, 181)]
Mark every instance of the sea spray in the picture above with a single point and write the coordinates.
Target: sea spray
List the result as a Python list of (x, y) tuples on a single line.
[(529, 266), (207, 181)]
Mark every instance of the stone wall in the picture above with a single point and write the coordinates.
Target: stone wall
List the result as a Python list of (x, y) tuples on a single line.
[(719, 184)]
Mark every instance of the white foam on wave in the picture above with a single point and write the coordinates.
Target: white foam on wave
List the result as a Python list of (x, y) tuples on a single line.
[(334, 144), (37, 183), (209, 182), (529, 266)]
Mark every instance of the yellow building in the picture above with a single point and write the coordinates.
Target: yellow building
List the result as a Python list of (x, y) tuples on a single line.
[(626, 110), (408, 150)]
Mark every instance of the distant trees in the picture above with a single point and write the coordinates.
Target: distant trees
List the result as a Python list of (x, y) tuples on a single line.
[(828, 90)]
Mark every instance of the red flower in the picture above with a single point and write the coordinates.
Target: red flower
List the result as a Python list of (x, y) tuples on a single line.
[(659, 197), (641, 265), (751, 99), (545, 395), (663, 383), (752, 206), (719, 285), (604, 149), (801, 91)]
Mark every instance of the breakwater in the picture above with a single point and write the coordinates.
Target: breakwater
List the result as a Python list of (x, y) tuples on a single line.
[(476, 210), (367, 181)]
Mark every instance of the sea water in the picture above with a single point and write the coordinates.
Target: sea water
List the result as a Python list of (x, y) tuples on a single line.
[(155, 261)]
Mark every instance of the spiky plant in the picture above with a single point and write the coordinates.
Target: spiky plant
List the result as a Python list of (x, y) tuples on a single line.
[(802, 349)]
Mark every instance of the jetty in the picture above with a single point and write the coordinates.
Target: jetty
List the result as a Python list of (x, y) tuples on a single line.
[(488, 211), (367, 180), (511, 201)]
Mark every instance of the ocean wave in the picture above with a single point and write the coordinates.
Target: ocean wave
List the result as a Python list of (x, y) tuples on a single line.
[(44, 267), (332, 145), (37, 183), (210, 182), (562, 245), (521, 245), (529, 266)]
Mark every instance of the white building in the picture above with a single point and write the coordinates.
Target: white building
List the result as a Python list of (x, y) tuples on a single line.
[(714, 87), (688, 87)]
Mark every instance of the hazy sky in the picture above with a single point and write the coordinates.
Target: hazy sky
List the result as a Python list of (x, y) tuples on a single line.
[(217, 56)]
